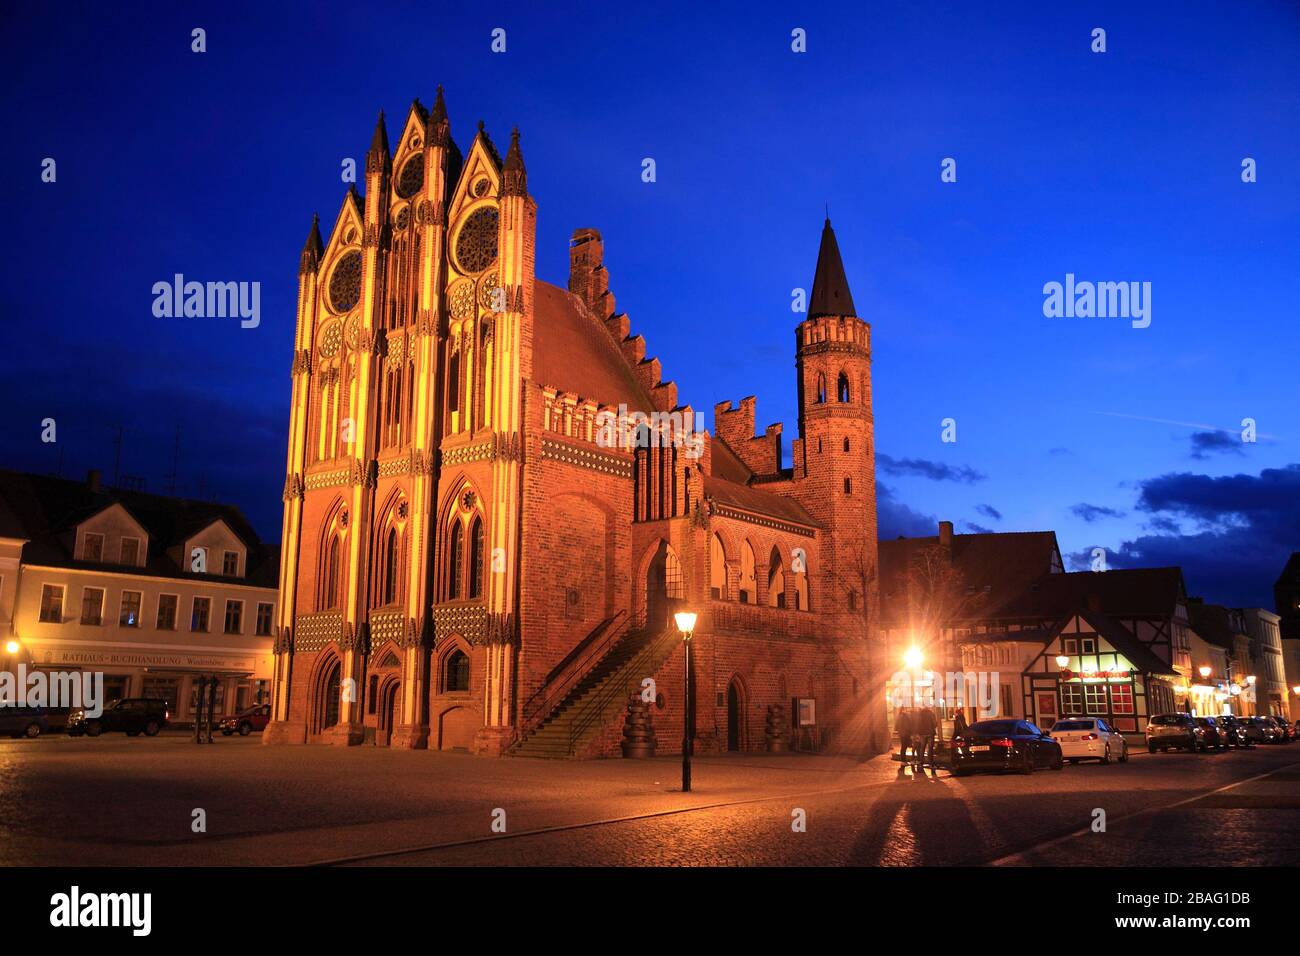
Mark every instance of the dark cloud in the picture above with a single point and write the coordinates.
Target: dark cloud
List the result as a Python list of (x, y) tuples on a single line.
[(977, 528), (924, 468), (895, 519), (1247, 526), (1205, 444), (1091, 513), (989, 512)]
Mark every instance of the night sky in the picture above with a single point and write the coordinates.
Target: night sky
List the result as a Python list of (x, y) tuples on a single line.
[(1122, 166)]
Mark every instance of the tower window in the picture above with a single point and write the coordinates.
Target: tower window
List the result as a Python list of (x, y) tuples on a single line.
[(848, 486), (821, 389), (842, 388), (455, 551), (846, 444)]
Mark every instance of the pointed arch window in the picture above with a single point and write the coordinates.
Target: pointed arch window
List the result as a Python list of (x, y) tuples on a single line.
[(821, 389), (455, 558), (799, 571), (476, 557), (330, 591), (391, 562), (775, 581), (717, 568), (748, 586), (456, 672), (842, 388)]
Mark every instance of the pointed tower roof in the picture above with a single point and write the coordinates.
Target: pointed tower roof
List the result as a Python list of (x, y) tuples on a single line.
[(312, 249), (515, 179), (378, 156), (437, 129), (830, 292)]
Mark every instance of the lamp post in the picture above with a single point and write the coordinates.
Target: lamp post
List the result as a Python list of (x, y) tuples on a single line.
[(686, 624)]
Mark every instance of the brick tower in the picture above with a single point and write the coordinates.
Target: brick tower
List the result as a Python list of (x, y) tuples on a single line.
[(834, 456)]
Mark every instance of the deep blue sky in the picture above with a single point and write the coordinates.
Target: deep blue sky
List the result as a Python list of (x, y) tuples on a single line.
[(1115, 166)]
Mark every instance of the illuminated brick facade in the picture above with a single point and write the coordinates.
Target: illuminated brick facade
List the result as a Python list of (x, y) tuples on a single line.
[(472, 533)]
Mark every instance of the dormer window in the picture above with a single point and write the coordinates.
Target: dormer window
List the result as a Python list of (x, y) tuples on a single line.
[(130, 552), (230, 564), (92, 547)]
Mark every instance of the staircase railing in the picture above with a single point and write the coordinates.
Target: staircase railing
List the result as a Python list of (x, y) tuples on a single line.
[(620, 686), (577, 665)]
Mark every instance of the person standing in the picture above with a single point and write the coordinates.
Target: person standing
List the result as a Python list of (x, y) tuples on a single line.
[(903, 724), (924, 726)]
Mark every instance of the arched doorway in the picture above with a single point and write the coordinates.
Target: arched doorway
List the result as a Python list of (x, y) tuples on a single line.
[(327, 696), (735, 716), (390, 703), (665, 587)]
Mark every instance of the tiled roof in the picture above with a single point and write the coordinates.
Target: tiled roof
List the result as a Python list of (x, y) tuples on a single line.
[(1212, 623), (727, 464), (757, 501), (572, 351), (998, 570), (46, 510)]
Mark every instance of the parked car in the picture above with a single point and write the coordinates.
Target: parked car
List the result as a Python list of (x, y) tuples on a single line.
[(1259, 730), (131, 715), (23, 721), (1173, 732), (1212, 733), (1089, 738), (1235, 729), (1004, 745), (245, 722), (1284, 729)]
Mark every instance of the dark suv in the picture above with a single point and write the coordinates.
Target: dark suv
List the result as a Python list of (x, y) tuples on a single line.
[(1213, 734), (132, 715), (1235, 728)]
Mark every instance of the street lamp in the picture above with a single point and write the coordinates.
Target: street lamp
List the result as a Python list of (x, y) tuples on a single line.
[(1251, 680), (1205, 671), (686, 624), (12, 647), (912, 658), (1062, 661)]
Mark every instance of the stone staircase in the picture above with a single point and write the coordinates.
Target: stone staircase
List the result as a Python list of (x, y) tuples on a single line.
[(600, 696)]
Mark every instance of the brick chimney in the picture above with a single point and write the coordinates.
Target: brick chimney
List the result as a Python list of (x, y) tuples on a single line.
[(92, 480), (945, 535)]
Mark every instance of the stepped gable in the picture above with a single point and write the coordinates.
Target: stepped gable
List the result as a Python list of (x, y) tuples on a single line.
[(761, 454), (589, 281)]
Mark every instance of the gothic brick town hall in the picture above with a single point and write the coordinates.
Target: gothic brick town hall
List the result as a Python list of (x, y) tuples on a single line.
[(472, 561)]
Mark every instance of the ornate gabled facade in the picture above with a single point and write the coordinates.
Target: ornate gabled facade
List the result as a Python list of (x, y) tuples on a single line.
[(494, 501)]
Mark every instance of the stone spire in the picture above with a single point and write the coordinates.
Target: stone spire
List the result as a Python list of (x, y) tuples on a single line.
[(438, 129), (830, 292), (379, 157), (312, 249), (515, 176)]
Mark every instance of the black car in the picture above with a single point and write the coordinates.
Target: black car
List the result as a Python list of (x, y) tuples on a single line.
[(1285, 736), (1235, 730), (1213, 734), (23, 721), (1004, 745), (132, 715)]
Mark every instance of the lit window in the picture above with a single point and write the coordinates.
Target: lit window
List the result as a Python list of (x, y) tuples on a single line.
[(129, 615)]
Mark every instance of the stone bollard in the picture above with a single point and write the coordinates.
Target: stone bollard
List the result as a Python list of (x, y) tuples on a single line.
[(777, 739), (638, 734)]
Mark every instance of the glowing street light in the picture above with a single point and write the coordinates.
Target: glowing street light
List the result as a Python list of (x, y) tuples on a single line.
[(1251, 680), (12, 647), (1062, 661), (1205, 671), (913, 658), (686, 624), (1296, 690)]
